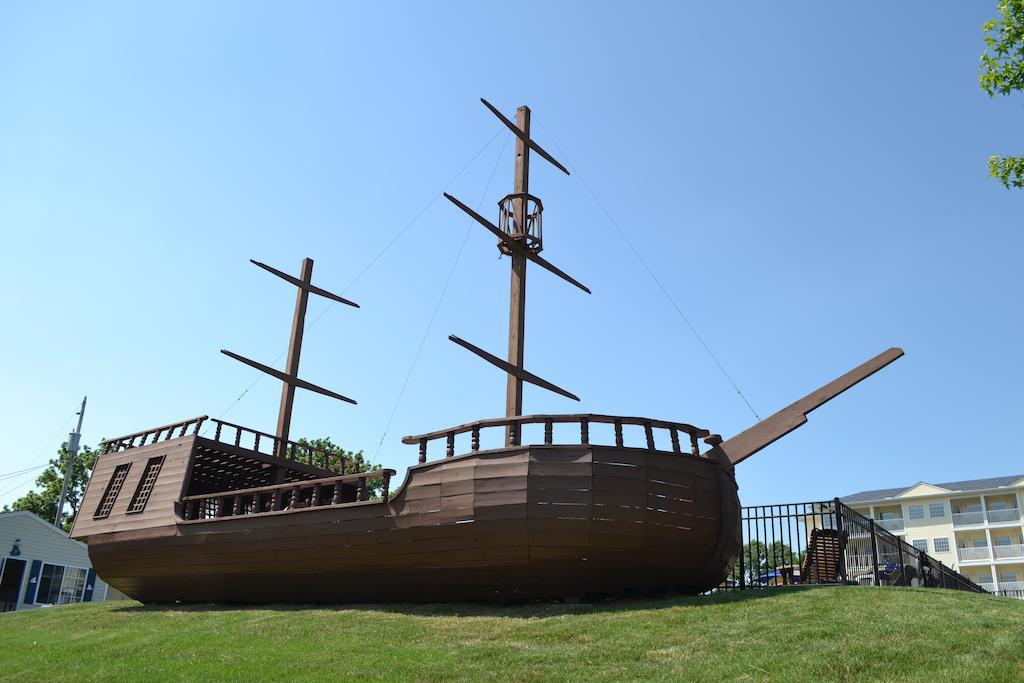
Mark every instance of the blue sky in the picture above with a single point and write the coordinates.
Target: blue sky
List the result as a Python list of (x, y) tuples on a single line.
[(807, 180)]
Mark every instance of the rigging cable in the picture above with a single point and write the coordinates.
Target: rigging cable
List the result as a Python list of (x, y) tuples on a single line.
[(649, 271), (437, 306), (374, 260), (11, 475)]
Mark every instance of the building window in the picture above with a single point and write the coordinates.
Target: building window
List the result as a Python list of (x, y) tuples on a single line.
[(936, 510), (49, 584), (146, 483), (921, 544), (916, 512), (979, 542), (941, 545), (1002, 540), (1008, 576), (113, 488), (60, 585)]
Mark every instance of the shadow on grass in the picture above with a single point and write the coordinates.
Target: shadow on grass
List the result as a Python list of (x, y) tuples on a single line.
[(532, 610)]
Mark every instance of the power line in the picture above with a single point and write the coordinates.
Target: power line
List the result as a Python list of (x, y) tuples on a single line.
[(650, 272), (437, 306), (54, 437), (19, 484), (368, 266), (9, 475)]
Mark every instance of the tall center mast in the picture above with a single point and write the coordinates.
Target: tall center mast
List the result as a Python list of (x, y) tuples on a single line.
[(520, 236)]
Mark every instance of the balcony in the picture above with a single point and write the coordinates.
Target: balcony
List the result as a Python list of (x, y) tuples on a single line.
[(968, 518), (1002, 516), (1003, 552), (1009, 586), (864, 561), (890, 524), (974, 554), (987, 585)]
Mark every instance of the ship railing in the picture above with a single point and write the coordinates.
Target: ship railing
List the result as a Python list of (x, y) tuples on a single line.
[(236, 435), (314, 493), (151, 436), (514, 426), (268, 444)]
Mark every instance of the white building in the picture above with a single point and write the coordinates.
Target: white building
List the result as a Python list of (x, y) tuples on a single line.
[(972, 526), (40, 565)]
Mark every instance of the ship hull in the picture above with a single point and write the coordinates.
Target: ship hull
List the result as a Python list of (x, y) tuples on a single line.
[(520, 523)]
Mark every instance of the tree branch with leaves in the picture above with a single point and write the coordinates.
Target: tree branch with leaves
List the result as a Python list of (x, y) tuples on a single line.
[(43, 502), (1002, 73)]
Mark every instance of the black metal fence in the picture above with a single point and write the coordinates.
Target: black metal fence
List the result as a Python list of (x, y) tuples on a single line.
[(826, 542)]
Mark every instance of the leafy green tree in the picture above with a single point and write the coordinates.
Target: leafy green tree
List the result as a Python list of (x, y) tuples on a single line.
[(43, 501), (355, 462), (760, 559), (1002, 73)]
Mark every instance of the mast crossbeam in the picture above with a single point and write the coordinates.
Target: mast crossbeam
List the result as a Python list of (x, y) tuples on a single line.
[(513, 370)]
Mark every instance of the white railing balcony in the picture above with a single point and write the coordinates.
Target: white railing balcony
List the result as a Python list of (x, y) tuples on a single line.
[(973, 554), (855, 531), (890, 524), (1003, 552), (1000, 516), (987, 585), (1008, 586), (860, 560), (968, 518)]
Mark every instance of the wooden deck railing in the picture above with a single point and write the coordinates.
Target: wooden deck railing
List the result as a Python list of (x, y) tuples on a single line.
[(153, 435), (268, 444), (292, 496), (236, 435), (514, 425)]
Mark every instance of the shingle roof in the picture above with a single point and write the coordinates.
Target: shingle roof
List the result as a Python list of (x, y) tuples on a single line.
[(959, 486)]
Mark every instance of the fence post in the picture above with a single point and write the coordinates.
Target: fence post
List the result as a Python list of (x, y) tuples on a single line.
[(743, 570), (874, 553), (903, 564), (841, 530)]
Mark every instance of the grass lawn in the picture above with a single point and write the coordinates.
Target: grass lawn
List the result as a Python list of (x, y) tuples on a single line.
[(852, 633)]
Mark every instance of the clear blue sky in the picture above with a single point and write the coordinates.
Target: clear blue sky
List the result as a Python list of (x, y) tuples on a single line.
[(806, 179)]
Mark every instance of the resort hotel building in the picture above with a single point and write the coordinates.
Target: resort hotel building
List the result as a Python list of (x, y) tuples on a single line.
[(972, 526)]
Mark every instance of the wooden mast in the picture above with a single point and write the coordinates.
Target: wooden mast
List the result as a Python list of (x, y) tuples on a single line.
[(517, 286), (291, 366), (290, 376), (519, 237)]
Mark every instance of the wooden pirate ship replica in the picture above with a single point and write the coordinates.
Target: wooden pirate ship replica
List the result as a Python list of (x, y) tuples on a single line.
[(208, 511)]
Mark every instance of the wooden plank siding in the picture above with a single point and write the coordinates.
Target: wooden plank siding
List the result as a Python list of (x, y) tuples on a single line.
[(515, 523)]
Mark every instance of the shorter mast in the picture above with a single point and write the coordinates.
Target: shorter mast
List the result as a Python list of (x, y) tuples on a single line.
[(290, 377)]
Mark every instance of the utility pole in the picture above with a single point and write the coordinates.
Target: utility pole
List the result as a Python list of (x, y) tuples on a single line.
[(69, 468)]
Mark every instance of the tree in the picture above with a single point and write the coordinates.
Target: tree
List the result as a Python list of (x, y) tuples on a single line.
[(759, 560), (1002, 73), (44, 501), (355, 462)]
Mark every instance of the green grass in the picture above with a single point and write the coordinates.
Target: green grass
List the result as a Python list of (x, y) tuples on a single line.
[(853, 634)]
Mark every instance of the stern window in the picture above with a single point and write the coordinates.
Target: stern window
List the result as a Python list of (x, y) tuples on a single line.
[(149, 476), (113, 488)]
